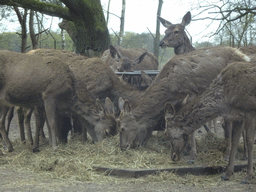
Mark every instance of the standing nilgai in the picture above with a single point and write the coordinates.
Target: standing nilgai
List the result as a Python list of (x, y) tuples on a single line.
[(233, 95)]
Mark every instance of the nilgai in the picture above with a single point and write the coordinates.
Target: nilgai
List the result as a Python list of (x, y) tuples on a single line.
[(188, 74), (175, 35), (227, 124), (232, 94), (48, 83), (127, 60), (100, 80), (123, 59)]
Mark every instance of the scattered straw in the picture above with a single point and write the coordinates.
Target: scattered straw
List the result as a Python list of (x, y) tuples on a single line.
[(74, 161)]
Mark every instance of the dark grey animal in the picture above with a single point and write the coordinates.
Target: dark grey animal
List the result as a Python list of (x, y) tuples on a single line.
[(232, 94), (28, 81), (188, 74)]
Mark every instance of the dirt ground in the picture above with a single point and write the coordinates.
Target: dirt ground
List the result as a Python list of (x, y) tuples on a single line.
[(20, 180), (15, 180)]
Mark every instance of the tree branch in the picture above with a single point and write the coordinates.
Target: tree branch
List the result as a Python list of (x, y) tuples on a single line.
[(42, 7)]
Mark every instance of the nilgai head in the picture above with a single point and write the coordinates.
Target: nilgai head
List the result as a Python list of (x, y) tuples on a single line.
[(175, 33), (124, 63), (106, 124), (175, 134), (129, 135)]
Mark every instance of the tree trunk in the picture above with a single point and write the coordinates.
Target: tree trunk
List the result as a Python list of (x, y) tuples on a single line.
[(63, 41), (23, 22), (108, 10), (121, 34), (88, 29), (157, 38), (31, 30)]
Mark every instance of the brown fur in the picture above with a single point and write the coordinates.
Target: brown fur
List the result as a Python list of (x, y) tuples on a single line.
[(47, 82), (175, 35), (249, 50), (101, 81), (232, 94), (99, 78), (190, 74), (129, 55)]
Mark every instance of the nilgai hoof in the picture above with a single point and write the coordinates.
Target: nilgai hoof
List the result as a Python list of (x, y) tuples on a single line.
[(9, 149), (224, 178), (245, 182), (191, 162), (36, 150)]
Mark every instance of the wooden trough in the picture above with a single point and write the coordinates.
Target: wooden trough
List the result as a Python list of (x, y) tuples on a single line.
[(135, 173)]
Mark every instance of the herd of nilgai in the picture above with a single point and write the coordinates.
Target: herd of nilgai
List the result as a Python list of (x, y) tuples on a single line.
[(192, 88)]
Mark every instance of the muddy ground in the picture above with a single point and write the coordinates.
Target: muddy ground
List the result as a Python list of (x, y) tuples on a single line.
[(12, 179)]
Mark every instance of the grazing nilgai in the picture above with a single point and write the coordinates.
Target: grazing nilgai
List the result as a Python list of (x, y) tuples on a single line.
[(122, 59), (175, 35), (232, 94), (101, 81), (28, 81), (227, 124), (188, 74)]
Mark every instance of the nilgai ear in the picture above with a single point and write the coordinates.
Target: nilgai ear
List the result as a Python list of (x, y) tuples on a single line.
[(164, 22), (185, 100), (168, 108), (109, 106), (186, 19), (146, 78), (127, 107), (121, 104), (140, 59), (99, 106), (113, 52)]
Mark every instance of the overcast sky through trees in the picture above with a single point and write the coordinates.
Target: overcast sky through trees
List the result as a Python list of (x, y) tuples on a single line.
[(140, 15)]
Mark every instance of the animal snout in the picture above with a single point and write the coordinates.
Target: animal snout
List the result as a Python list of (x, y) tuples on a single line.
[(175, 157), (162, 44), (126, 147)]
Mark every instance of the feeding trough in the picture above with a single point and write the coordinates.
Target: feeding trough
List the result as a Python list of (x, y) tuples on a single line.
[(135, 173)]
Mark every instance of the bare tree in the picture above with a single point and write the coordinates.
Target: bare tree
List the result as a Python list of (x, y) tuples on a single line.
[(121, 33), (236, 16), (157, 37), (85, 21), (108, 10), (22, 17)]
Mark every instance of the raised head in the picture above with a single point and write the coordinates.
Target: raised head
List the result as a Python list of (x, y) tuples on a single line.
[(124, 63), (174, 132), (175, 35)]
